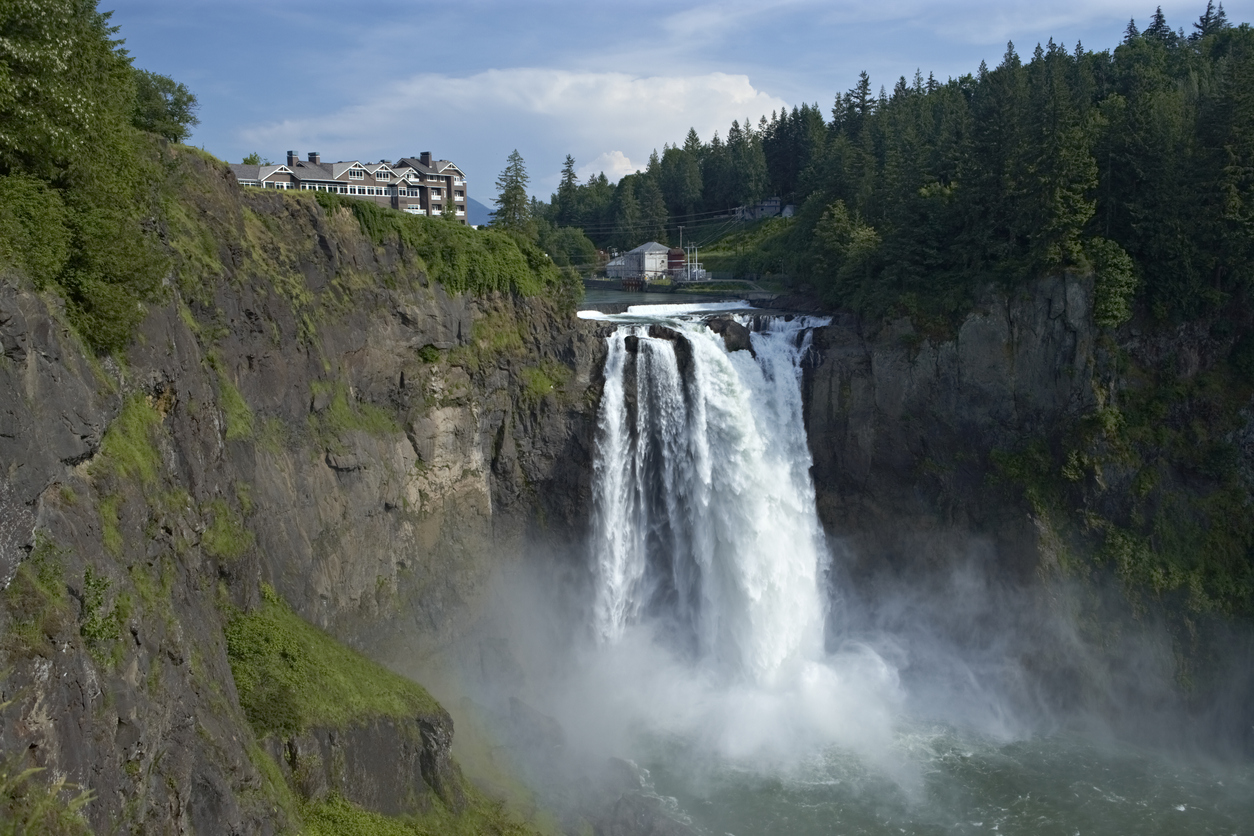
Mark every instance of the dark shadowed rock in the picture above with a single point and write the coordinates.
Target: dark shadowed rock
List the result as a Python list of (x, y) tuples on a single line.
[(735, 336)]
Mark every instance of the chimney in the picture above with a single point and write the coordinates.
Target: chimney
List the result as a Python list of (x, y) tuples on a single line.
[(315, 158), (291, 158), (425, 158)]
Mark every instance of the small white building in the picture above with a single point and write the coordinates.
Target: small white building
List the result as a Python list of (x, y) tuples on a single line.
[(647, 261)]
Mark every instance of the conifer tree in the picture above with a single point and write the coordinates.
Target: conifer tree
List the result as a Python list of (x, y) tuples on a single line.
[(513, 208), (567, 194)]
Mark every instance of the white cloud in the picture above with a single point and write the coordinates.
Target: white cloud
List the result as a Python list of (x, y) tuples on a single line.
[(549, 111), (614, 164)]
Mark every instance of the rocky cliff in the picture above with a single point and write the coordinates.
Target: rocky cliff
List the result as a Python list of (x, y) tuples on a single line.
[(307, 410)]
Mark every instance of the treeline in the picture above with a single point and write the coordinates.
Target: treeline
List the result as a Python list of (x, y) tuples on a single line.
[(1136, 163), (695, 185), (79, 176)]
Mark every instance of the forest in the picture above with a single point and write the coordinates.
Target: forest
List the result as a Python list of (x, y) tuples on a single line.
[(1135, 164)]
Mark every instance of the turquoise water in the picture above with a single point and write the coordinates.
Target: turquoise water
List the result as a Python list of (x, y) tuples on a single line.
[(940, 781)]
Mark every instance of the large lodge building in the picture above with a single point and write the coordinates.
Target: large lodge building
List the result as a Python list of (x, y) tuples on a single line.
[(420, 186)]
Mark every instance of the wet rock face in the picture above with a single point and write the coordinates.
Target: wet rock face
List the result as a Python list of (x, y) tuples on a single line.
[(902, 425)]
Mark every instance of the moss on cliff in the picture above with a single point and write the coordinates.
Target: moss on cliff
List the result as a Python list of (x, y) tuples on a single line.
[(462, 259), (336, 817), (291, 676)]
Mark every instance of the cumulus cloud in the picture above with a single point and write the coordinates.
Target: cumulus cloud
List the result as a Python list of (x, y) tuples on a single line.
[(614, 164), (612, 118)]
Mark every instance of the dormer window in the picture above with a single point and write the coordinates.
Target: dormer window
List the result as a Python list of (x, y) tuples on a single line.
[(356, 173), (383, 175)]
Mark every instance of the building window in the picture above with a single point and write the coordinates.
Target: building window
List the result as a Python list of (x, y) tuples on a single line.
[(356, 173), (435, 207), (459, 193), (436, 193), (382, 175)]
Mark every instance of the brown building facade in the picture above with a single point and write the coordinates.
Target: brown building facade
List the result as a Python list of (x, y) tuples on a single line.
[(418, 185)]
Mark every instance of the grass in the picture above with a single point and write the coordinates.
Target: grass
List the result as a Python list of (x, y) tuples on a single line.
[(33, 808), (238, 417), (110, 524), (225, 537), (491, 337), (291, 676), (542, 380), (342, 416), (334, 816), (129, 449), (37, 601)]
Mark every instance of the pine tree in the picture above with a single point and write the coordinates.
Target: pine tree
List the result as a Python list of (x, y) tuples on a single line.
[(513, 210), (626, 213), (653, 216), (1212, 21), (1131, 33), (1159, 30), (567, 194)]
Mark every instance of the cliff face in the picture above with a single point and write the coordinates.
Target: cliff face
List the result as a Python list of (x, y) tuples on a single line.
[(903, 425), (307, 410)]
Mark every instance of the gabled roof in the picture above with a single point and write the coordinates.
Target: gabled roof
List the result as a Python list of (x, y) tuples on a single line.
[(306, 170), (344, 165), (257, 172)]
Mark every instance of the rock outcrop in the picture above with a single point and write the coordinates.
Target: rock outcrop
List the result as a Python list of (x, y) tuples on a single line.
[(306, 411), (902, 425)]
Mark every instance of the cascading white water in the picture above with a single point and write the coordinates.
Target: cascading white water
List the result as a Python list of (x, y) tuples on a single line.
[(704, 507)]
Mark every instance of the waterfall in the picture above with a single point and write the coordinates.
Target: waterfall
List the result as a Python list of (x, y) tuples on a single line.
[(704, 524)]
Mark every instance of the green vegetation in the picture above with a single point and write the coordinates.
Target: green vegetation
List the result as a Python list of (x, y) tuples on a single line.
[(458, 257), (29, 807), (37, 601), (1159, 490), (547, 378), (235, 411), (291, 676), (83, 174), (493, 335), (129, 447), (111, 524), (103, 622), (225, 538), (342, 416), (1131, 163), (335, 816), (163, 106)]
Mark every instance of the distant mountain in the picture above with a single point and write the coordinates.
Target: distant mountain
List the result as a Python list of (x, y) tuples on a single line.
[(476, 213)]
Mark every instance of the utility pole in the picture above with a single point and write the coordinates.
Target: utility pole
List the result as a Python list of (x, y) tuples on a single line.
[(681, 246)]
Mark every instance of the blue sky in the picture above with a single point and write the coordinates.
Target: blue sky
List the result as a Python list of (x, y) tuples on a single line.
[(471, 80)]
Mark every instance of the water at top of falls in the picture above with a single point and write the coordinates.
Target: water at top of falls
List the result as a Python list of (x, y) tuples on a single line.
[(704, 506), (635, 312)]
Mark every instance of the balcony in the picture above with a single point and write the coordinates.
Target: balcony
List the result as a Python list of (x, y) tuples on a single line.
[(414, 210), (460, 197)]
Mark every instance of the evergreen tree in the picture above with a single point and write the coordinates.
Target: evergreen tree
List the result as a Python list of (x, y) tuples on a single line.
[(1212, 20), (653, 215), (1159, 30), (564, 202), (626, 215), (513, 207)]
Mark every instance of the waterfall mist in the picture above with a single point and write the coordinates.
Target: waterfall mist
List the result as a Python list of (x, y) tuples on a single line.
[(710, 623)]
